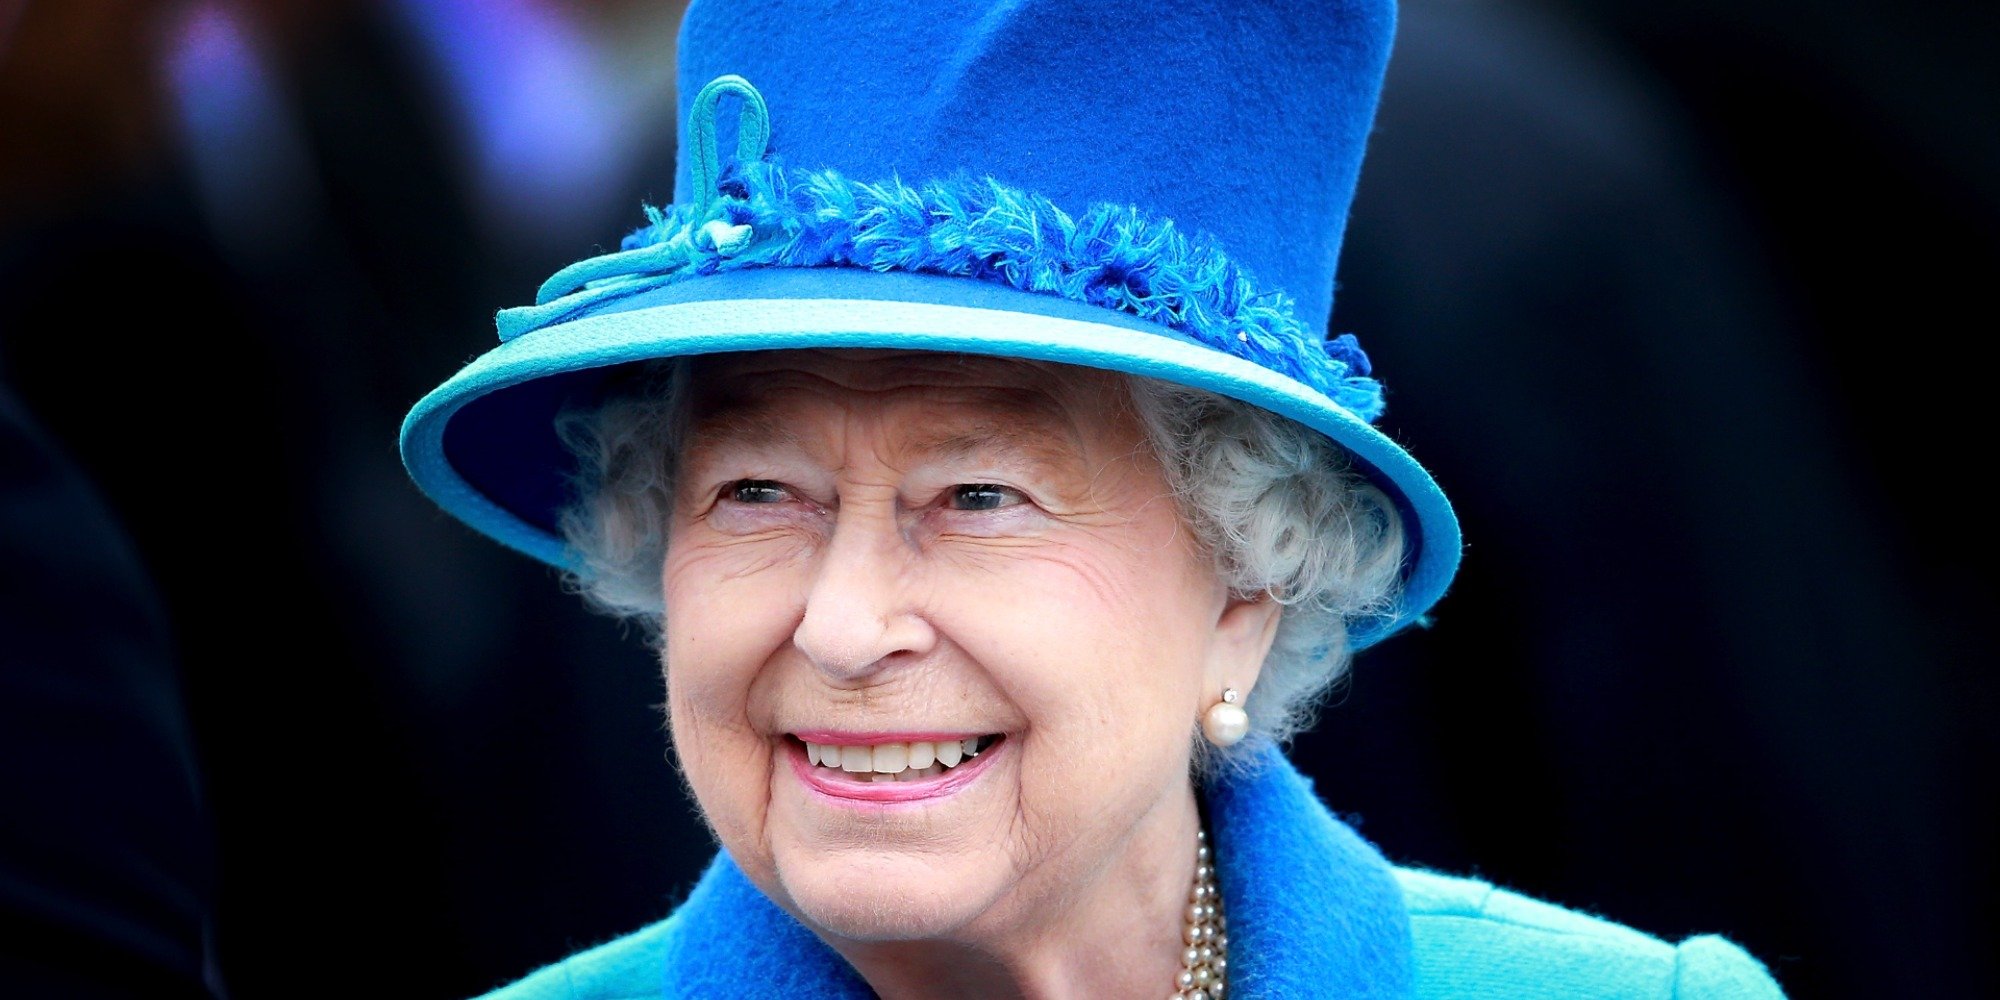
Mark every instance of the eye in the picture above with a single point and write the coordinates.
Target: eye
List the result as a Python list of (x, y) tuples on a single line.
[(757, 491), (984, 496)]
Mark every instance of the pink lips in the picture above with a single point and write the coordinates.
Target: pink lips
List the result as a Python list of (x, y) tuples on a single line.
[(855, 793)]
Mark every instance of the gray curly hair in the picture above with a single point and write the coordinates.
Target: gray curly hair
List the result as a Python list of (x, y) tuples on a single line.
[(1277, 506)]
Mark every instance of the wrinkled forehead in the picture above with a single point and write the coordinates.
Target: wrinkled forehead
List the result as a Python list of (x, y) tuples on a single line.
[(959, 399), (883, 370)]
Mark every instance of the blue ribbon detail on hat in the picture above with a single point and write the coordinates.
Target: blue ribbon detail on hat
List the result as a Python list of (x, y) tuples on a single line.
[(757, 213)]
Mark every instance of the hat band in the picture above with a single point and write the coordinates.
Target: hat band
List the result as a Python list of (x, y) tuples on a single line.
[(1111, 256)]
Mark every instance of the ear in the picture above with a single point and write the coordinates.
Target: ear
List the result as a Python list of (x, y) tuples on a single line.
[(1243, 634)]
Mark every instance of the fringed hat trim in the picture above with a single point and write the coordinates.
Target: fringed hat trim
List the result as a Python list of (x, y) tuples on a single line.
[(764, 215)]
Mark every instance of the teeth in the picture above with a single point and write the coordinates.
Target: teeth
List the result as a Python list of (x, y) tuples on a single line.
[(891, 757), (894, 761)]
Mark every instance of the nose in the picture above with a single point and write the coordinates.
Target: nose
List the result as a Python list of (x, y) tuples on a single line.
[(863, 609)]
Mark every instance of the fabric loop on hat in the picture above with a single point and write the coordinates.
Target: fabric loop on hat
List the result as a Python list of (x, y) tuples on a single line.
[(660, 257), (753, 133)]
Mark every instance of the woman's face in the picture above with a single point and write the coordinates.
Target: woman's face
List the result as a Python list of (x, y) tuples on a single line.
[(893, 553)]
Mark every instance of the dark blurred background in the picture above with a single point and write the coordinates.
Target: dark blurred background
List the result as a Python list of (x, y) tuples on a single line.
[(1681, 302)]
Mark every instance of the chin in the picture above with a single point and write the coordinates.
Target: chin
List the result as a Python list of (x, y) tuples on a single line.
[(883, 897)]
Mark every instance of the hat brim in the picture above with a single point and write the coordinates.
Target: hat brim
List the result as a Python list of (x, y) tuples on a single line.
[(483, 445)]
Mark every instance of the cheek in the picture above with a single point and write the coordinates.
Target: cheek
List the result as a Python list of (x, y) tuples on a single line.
[(727, 608), (722, 627), (1103, 637), (1102, 659)]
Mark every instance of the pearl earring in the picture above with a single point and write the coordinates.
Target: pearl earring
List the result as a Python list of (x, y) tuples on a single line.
[(1226, 723)]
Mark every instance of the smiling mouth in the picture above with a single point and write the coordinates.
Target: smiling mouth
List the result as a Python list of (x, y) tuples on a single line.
[(916, 760)]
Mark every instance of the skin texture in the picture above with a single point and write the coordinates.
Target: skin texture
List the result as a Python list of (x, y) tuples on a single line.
[(860, 582)]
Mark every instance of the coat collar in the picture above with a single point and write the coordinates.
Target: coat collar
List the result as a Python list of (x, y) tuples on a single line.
[(1314, 910)]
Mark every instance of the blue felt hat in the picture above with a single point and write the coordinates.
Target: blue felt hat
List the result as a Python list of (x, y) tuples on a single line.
[(1157, 189)]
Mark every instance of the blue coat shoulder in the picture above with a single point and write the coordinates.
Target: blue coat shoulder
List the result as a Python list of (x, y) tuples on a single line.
[(1474, 940), (632, 967)]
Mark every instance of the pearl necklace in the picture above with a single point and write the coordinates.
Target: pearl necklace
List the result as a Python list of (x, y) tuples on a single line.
[(1205, 963)]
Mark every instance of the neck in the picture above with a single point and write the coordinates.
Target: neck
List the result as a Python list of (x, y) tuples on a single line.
[(1114, 932)]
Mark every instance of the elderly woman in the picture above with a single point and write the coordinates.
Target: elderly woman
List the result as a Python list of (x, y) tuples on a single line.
[(967, 437)]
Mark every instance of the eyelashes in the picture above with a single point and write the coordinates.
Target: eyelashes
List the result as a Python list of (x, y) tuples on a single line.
[(984, 496), (962, 496), (756, 491), (745, 504)]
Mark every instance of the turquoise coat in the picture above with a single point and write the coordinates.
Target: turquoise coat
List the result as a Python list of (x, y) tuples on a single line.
[(1314, 911)]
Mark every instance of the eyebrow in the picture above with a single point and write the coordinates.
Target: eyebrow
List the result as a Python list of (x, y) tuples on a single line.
[(738, 425), (1041, 439)]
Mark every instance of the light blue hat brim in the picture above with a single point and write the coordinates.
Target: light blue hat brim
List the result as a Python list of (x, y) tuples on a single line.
[(482, 444)]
